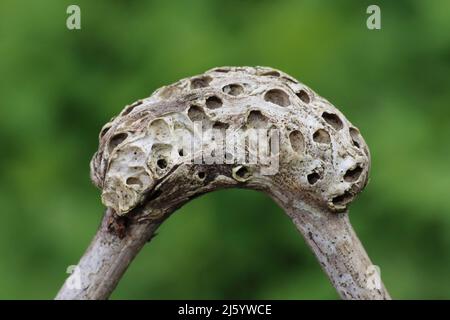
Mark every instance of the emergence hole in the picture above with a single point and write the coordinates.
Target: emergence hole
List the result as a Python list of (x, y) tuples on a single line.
[(213, 102), (333, 120), (289, 79), (127, 110), (181, 152), (116, 140), (353, 174), (233, 89), (256, 119), (201, 175), (303, 96), (271, 73), (354, 134), (169, 91), (131, 108), (321, 136), (104, 131), (202, 82), (220, 125), (161, 163), (277, 96), (159, 129), (243, 172), (343, 199), (313, 177), (222, 70), (297, 141), (196, 113), (134, 181)]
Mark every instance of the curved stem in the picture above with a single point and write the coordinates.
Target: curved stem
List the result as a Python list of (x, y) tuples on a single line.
[(329, 235)]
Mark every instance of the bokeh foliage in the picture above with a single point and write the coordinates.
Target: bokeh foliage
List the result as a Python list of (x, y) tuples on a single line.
[(58, 87)]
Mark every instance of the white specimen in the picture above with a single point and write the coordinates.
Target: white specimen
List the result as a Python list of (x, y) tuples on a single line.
[(322, 154), (146, 169)]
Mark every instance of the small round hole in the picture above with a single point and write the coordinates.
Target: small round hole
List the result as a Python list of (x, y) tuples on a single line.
[(321, 136), (116, 140), (289, 79), (196, 113), (134, 181), (272, 73), (313, 177), (303, 96), (241, 173), (222, 70), (220, 125), (333, 120), (130, 108), (277, 96), (343, 199), (353, 174), (105, 131), (354, 134), (256, 119), (297, 141), (201, 82), (233, 89), (201, 175), (161, 163)]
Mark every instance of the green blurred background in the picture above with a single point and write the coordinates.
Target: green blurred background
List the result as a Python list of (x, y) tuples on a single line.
[(58, 87)]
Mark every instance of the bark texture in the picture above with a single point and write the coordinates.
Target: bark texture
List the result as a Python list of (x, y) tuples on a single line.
[(288, 142)]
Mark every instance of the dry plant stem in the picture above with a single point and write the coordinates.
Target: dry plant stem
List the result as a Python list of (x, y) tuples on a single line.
[(330, 236), (106, 259), (147, 166), (340, 253)]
